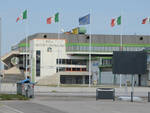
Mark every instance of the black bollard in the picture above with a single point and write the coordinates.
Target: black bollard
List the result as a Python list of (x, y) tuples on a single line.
[(131, 96), (148, 96), (113, 94)]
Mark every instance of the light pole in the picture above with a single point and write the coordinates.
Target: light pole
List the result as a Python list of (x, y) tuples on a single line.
[(0, 51)]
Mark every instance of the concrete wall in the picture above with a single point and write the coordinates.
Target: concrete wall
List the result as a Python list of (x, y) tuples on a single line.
[(48, 58)]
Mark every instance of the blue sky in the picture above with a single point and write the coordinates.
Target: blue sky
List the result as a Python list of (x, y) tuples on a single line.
[(102, 11)]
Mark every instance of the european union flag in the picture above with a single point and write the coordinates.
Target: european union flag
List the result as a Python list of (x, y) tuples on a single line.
[(84, 20)]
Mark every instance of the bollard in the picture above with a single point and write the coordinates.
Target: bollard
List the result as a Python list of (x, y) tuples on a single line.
[(114, 95), (131, 96), (148, 96)]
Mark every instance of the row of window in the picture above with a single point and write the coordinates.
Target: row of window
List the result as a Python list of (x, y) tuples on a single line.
[(106, 61), (66, 79), (71, 61), (69, 69)]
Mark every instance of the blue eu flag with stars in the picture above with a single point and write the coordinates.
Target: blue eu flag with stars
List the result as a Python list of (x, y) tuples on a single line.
[(84, 20)]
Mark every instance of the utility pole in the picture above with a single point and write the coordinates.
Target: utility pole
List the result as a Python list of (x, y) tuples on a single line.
[(0, 51)]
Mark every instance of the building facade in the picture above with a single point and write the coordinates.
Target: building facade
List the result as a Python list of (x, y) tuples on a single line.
[(64, 59)]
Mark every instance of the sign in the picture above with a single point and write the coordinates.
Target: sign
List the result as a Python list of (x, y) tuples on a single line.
[(95, 71), (50, 43), (15, 60), (129, 62)]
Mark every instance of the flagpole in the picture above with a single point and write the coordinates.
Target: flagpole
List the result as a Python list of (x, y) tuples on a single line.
[(90, 52), (0, 51), (58, 53), (26, 52), (26, 27), (121, 43), (121, 47), (0, 42)]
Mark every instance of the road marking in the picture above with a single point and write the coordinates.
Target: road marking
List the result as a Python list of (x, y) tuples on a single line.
[(12, 110)]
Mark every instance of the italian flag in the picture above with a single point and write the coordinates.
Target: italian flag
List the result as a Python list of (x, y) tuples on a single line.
[(146, 20), (116, 21), (54, 19), (22, 16)]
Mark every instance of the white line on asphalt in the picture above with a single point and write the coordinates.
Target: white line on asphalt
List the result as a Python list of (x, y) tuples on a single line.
[(13, 109)]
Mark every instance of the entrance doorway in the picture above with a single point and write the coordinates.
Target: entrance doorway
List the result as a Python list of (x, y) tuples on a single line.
[(69, 79)]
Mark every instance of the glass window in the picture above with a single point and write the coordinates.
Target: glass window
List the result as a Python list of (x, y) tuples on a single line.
[(68, 61), (68, 69), (38, 62), (49, 49), (71, 61), (73, 69), (78, 69), (83, 69)]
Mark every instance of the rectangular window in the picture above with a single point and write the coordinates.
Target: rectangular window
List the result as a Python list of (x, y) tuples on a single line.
[(57, 61), (38, 63), (68, 69), (68, 61), (74, 69), (106, 61), (59, 69), (63, 61), (83, 69), (78, 69)]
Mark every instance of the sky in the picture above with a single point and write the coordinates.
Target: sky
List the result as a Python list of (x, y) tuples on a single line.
[(101, 11)]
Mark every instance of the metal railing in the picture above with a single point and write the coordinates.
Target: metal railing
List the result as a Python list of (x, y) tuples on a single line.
[(101, 49)]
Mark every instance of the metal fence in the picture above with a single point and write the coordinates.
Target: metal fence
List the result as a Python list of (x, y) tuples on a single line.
[(102, 49)]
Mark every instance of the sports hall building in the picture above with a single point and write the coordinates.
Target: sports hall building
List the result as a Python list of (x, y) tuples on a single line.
[(64, 58)]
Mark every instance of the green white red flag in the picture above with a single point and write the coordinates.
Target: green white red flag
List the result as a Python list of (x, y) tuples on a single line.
[(54, 19), (146, 20), (22, 16), (116, 21)]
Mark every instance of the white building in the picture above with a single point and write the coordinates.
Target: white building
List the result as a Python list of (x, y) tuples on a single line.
[(50, 61)]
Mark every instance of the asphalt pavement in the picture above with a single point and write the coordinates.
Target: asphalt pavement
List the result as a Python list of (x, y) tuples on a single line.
[(48, 104), (77, 91), (26, 107), (75, 100)]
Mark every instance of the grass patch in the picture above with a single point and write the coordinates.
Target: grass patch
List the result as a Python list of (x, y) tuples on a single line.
[(53, 91), (12, 97), (74, 85)]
